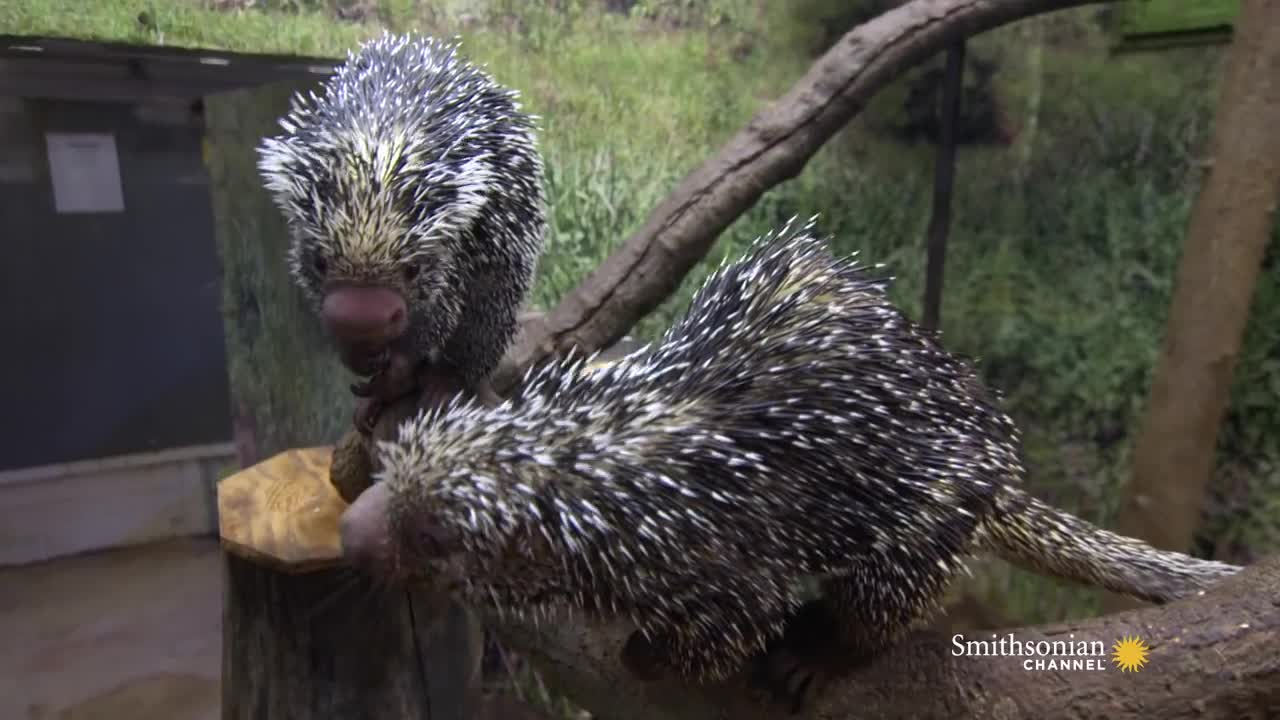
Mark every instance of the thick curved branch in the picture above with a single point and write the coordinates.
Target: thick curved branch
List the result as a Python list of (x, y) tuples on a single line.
[(1211, 657), (773, 147)]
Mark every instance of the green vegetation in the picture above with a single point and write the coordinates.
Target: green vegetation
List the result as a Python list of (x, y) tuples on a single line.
[(1157, 24), (1166, 17), (1065, 241), (183, 23)]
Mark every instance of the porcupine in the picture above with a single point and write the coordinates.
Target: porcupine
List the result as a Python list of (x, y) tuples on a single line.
[(413, 190), (793, 424)]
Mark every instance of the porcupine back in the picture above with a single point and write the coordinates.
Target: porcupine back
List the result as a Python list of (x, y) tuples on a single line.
[(793, 423)]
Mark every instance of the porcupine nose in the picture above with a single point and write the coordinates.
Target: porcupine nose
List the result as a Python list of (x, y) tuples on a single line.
[(366, 531), (362, 315)]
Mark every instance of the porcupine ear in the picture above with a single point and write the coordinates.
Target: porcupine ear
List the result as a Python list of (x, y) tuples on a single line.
[(281, 168), (289, 172), (472, 182), (281, 159), (278, 164)]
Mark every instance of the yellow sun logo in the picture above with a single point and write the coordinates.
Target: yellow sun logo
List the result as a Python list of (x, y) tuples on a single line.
[(1130, 654)]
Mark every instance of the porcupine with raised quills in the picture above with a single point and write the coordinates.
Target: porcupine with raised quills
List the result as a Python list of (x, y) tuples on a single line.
[(412, 187), (793, 424)]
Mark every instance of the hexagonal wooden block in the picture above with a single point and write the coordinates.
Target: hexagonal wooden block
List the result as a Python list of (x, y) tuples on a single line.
[(283, 512)]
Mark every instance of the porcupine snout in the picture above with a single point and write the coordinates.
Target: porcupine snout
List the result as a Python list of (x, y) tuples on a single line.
[(366, 533), (365, 314), (420, 548)]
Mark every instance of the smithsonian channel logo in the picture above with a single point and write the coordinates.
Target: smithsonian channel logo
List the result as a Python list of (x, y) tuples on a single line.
[(1127, 654)]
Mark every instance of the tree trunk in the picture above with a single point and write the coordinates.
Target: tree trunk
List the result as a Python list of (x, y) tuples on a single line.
[(1231, 222), (323, 645)]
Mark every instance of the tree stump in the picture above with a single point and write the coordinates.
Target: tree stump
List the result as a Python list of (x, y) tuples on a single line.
[(325, 643)]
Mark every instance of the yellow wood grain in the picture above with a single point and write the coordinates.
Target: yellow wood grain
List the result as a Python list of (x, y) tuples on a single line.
[(283, 511)]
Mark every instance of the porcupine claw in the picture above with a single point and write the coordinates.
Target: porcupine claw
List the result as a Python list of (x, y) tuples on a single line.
[(788, 678), (365, 417), (368, 408)]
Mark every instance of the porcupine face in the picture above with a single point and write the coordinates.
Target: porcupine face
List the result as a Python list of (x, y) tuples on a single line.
[(385, 175)]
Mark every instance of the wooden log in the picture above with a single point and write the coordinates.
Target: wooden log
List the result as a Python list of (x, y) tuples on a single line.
[(1210, 657)]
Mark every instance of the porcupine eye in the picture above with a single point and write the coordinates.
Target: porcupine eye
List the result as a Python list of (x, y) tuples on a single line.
[(321, 265), (411, 271)]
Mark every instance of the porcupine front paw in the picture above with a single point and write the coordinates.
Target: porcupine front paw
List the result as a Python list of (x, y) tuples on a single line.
[(647, 659), (683, 654), (395, 379), (797, 666)]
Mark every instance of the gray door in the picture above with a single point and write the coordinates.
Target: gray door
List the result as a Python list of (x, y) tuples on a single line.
[(110, 321)]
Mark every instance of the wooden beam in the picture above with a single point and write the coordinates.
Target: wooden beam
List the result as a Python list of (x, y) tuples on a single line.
[(95, 51), (59, 68), (50, 79)]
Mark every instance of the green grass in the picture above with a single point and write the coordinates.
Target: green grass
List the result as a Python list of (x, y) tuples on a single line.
[(183, 23)]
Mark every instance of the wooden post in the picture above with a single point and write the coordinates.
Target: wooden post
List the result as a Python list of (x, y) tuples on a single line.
[(322, 645), (1231, 222), (943, 180)]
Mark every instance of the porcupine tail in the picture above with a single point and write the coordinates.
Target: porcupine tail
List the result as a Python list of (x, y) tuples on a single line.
[(1046, 540)]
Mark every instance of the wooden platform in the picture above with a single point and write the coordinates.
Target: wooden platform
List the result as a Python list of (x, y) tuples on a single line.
[(130, 634)]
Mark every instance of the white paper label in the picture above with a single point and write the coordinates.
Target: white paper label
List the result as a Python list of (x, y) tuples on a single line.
[(85, 172)]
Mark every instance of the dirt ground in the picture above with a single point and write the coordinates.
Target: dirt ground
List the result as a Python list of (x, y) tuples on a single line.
[(121, 635), (135, 634)]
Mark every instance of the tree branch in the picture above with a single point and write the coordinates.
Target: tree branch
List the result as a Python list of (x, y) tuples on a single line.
[(773, 147), (1211, 657)]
